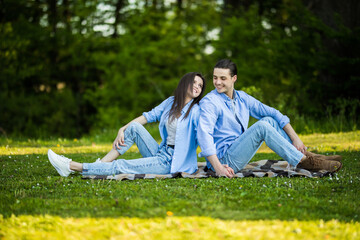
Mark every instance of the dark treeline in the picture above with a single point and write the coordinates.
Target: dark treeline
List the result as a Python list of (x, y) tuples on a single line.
[(68, 68)]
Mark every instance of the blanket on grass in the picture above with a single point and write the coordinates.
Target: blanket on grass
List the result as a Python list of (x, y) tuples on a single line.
[(262, 168)]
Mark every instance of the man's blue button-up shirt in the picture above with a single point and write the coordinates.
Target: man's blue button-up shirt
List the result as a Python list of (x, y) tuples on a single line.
[(184, 157), (223, 120)]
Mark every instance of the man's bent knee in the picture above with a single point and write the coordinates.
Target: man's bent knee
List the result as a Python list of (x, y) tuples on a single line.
[(262, 124), (270, 120)]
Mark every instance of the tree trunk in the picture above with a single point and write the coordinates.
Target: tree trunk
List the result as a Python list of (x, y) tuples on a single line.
[(179, 4), (52, 15), (67, 15), (119, 5)]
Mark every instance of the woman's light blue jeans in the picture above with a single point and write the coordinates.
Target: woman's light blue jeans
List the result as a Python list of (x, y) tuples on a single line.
[(155, 160), (267, 129)]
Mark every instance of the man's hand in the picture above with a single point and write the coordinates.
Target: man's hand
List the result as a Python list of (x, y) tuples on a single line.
[(220, 169), (294, 138), (299, 145), (226, 171), (119, 140)]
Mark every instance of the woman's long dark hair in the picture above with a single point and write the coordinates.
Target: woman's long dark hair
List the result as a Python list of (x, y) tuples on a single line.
[(180, 94)]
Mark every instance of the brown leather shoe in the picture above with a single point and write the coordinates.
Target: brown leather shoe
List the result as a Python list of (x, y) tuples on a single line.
[(316, 163), (331, 157)]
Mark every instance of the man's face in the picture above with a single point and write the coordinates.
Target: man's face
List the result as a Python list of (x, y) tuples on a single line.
[(223, 82)]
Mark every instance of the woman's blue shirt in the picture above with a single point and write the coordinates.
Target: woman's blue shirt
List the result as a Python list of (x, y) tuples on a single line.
[(185, 157)]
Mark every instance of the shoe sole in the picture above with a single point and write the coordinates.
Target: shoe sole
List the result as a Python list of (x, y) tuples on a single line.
[(54, 165)]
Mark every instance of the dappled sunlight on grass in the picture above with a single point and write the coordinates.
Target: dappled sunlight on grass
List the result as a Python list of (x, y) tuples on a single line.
[(94, 148), (45, 227), (330, 142)]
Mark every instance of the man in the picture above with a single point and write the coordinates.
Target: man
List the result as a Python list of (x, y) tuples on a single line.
[(229, 145)]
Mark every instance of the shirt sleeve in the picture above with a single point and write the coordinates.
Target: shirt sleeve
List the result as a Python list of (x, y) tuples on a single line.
[(259, 110), (207, 122), (195, 121), (155, 114)]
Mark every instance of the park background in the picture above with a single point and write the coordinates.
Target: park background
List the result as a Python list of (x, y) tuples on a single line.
[(75, 68), (73, 72)]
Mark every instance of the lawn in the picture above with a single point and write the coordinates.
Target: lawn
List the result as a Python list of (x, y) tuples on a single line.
[(37, 203)]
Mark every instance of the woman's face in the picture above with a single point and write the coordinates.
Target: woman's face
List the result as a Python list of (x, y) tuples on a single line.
[(196, 88)]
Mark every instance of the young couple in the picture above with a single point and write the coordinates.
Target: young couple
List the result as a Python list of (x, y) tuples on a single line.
[(218, 123)]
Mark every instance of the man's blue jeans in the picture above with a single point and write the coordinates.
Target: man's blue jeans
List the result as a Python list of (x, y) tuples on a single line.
[(155, 160), (267, 129)]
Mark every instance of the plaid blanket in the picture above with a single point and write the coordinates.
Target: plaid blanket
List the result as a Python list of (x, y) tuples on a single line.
[(262, 168)]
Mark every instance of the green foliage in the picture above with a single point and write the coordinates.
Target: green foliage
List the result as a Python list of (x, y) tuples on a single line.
[(285, 52), (144, 65), (61, 75), (101, 82)]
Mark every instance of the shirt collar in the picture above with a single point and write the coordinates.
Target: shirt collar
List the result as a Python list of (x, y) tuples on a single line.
[(226, 97)]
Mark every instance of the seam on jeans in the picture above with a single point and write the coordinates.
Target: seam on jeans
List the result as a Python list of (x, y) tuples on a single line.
[(147, 145), (145, 165)]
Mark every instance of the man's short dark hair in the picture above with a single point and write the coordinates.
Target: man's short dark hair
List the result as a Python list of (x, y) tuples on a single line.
[(227, 64)]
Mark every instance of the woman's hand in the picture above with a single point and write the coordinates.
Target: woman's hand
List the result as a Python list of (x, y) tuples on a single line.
[(299, 145), (119, 140)]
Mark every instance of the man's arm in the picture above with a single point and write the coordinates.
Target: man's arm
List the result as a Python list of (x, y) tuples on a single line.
[(294, 138), (259, 110), (205, 131)]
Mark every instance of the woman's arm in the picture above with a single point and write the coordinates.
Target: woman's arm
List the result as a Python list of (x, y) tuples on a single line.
[(147, 117), (119, 140)]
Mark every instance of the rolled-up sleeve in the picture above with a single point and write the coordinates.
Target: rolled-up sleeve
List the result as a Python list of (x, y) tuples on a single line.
[(155, 114), (207, 121), (259, 110)]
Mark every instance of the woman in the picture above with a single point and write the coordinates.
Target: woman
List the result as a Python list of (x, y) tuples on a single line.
[(178, 116)]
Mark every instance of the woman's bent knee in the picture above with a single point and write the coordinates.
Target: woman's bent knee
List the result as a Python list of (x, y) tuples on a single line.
[(133, 127)]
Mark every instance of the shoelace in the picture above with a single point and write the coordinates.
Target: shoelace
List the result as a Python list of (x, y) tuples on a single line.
[(65, 158), (315, 162), (68, 161)]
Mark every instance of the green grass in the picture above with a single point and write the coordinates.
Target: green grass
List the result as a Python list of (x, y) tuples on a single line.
[(29, 186)]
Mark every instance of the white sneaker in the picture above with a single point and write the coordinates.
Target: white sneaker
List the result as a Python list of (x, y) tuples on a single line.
[(60, 163), (98, 160)]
